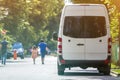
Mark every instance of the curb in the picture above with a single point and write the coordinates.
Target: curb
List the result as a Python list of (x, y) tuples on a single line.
[(116, 74)]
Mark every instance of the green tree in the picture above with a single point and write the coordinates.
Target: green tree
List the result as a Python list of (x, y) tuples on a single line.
[(28, 20), (114, 18)]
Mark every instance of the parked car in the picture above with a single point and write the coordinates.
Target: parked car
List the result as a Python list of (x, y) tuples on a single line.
[(84, 38), (18, 47)]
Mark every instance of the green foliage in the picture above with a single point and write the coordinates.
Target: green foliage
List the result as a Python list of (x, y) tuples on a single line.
[(52, 45), (114, 18), (27, 21)]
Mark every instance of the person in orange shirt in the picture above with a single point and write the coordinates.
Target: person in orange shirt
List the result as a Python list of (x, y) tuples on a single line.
[(34, 53)]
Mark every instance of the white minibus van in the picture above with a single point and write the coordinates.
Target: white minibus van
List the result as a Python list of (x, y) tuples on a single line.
[(84, 38)]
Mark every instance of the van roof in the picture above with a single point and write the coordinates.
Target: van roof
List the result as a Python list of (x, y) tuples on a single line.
[(85, 4)]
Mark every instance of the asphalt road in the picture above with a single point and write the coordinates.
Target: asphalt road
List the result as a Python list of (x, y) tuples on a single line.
[(26, 70)]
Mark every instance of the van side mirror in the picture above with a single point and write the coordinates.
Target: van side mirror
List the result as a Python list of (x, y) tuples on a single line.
[(55, 36)]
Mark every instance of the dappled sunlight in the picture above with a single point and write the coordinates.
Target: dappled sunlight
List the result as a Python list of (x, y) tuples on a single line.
[(83, 34)]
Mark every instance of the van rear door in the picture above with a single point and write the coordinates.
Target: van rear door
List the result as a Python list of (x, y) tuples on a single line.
[(73, 47), (84, 33), (96, 31)]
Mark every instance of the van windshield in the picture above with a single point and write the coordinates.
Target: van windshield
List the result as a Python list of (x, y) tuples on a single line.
[(17, 45), (84, 26)]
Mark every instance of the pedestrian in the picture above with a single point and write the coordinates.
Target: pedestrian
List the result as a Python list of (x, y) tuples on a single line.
[(4, 44), (34, 53), (42, 45)]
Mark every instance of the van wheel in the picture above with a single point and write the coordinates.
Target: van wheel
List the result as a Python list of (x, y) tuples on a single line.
[(105, 70), (22, 56), (61, 69)]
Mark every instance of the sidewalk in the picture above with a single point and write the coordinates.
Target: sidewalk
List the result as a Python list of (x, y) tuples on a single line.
[(115, 72)]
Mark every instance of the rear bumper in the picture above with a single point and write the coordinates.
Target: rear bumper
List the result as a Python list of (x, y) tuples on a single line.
[(84, 63)]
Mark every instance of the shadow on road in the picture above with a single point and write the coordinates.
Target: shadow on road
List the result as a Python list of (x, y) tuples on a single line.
[(15, 61), (82, 74), (88, 76)]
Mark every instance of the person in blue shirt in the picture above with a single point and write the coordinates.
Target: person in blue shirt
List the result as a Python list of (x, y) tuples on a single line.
[(42, 45), (4, 44)]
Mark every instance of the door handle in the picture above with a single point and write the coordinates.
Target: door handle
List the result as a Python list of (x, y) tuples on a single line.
[(80, 44)]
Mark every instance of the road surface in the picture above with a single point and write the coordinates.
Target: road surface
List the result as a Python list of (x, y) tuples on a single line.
[(25, 70)]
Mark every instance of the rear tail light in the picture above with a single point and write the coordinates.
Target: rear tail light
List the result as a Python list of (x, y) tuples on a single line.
[(62, 61), (59, 39), (107, 61), (59, 45), (109, 45)]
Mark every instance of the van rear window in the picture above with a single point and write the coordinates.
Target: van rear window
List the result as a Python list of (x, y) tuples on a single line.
[(84, 26)]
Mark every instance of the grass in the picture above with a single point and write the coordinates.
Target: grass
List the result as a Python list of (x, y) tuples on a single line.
[(113, 66), (115, 69)]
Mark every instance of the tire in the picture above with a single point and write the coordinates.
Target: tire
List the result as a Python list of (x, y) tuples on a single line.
[(61, 69), (105, 70), (22, 56), (100, 70)]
